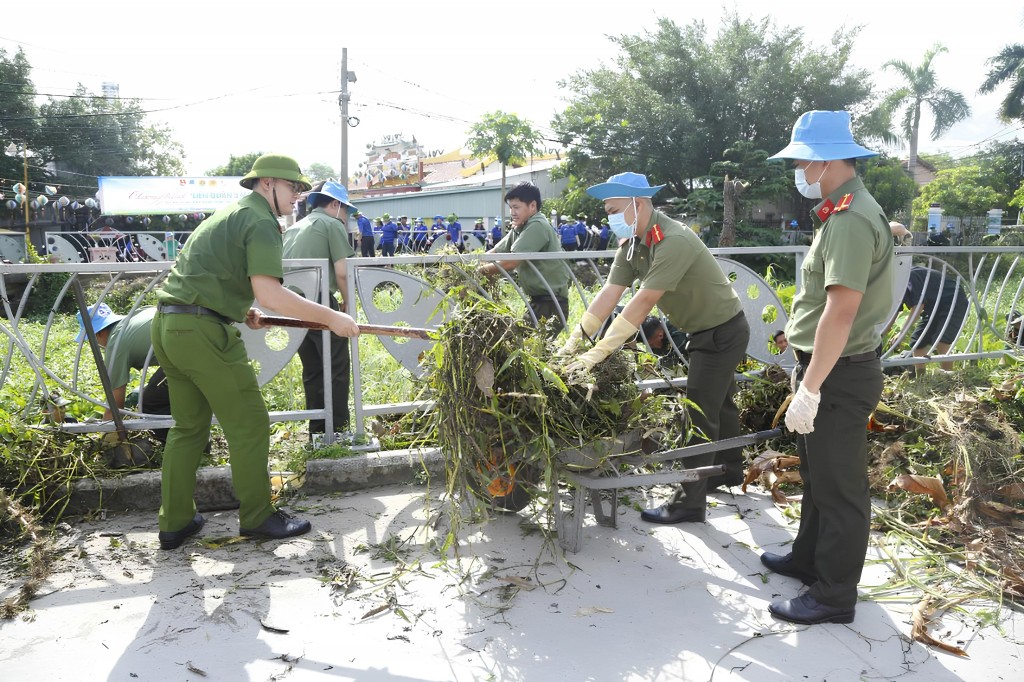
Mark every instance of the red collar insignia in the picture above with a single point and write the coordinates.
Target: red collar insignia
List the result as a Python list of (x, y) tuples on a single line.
[(654, 235), (844, 203), (826, 210)]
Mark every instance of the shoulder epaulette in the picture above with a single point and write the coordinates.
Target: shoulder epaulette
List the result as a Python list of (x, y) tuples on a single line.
[(844, 203)]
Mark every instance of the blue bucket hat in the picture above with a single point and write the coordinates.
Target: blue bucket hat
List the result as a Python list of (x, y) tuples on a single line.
[(334, 190), (102, 317), (823, 136), (623, 186)]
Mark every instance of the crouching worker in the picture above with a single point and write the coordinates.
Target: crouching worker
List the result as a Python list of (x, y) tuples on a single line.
[(678, 274), (231, 258), (126, 342)]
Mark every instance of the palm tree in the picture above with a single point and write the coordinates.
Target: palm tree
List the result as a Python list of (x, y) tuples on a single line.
[(507, 137), (947, 106), (1008, 65)]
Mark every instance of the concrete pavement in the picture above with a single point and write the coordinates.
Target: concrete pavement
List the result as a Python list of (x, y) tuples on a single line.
[(366, 596)]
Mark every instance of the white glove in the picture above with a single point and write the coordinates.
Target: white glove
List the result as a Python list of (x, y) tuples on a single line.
[(589, 324), (620, 331), (802, 410)]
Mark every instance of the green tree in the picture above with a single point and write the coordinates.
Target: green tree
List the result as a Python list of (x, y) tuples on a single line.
[(1002, 168), (676, 98), (18, 120), (921, 90), (961, 193), (508, 138), (1008, 65), (236, 165), (88, 135), (748, 177), (890, 185), (320, 171)]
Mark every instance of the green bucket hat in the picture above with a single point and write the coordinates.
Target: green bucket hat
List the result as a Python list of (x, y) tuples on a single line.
[(276, 166)]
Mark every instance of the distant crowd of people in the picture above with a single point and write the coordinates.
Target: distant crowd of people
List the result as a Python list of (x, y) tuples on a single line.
[(388, 236)]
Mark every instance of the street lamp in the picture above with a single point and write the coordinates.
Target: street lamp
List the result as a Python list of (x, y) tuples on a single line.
[(12, 150)]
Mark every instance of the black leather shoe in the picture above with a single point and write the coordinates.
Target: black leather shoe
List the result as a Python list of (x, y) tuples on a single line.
[(279, 525), (172, 539), (783, 565), (668, 513), (807, 610)]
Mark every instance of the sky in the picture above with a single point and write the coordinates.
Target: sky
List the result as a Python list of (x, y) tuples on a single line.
[(237, 77)]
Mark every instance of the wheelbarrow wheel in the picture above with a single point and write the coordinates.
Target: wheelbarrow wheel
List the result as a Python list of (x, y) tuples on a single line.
[(509, 487)]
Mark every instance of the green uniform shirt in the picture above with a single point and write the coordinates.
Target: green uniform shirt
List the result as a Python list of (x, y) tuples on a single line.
[(852, 248), (214, 267), (537, 236), (319, 235), (128, 345), (698, 295)]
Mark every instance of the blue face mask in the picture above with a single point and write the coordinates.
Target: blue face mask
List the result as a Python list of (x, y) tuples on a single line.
[(618, 225)]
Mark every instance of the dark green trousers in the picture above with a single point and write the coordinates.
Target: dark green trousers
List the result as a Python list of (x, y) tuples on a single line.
[(835, 513), (208, 373), (711, 384)]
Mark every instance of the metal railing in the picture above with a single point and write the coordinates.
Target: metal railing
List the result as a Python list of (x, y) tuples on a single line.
[(985, 322)]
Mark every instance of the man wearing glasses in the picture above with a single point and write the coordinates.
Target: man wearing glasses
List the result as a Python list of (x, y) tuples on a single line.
[(233, 257)]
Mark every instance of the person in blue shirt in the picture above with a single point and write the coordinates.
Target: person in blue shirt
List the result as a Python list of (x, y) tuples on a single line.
[(478, 230), (582, 233), (567, 234), (404, 233), (455, 232), (366, 248), (602, 240), (419, 235), (495, 233), (388, 236), (437, 229)]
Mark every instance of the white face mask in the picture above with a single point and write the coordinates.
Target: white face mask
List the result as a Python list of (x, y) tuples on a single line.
[(809, 190)]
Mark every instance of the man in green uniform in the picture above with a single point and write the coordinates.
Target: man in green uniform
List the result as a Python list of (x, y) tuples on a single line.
[(678, 274), (323, 234), (834, 332), (126, 342), (546, 282), (231, 258)]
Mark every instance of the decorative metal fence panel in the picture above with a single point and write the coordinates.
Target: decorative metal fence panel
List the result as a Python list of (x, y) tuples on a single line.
[(984, 319)]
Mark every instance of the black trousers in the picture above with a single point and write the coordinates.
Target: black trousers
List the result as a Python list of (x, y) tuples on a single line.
[(547, 308), (835, 514), (311, 354), (366, 247), (714, 355)]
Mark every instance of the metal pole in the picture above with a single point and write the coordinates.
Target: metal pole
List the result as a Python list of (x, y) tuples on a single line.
[(28, 241), (343, 100)]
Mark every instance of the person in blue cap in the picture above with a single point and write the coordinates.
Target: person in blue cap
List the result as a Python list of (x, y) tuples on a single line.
[(419, 235), (678, 274), (324, 234), (127, 342), (834, 332)]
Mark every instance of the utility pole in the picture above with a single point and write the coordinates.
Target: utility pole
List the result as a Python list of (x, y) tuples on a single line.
[(346, 78)]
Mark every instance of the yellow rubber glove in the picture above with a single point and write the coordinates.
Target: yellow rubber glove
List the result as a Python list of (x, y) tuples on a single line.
[(589, 324), (620, 331)]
